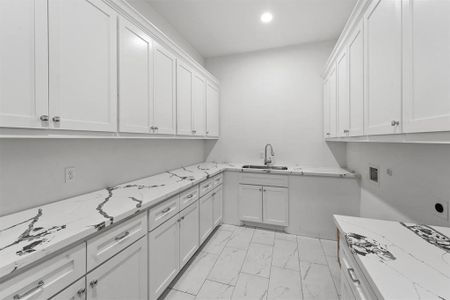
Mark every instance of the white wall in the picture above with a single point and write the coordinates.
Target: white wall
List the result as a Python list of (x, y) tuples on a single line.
[(159, 21), (420, 178), (275, 97), (32, 171)]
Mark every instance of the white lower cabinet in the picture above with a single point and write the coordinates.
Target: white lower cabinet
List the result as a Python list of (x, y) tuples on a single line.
[(264, 204), (275, 206), (217, 207), (164, 249), (48, 278), (354, 285), (124, 276), (250, 203), (189, 238), (206, 217)]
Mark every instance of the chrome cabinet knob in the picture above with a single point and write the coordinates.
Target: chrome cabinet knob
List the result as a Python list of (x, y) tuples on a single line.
[(93, 283), (80, 292), (56, 119), (346, 131), (44, 118), (395, 123)]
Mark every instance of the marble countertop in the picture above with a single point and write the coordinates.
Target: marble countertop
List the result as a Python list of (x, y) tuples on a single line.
[(400, 260), (32, 234)]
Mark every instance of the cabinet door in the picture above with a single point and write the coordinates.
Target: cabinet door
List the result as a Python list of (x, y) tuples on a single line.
[(212, 110), (356, 81), (426, 66), (383, 36), (189, 237), (275, 206), (332, 96), (76, 291), (199, 105), (82, 65), (217, 207), (124, 276), (206, 217), (342, 95), (135, 78), (164, 246), (23, 63), (326, 108), (164, 101), (184, 99), (250, 203)]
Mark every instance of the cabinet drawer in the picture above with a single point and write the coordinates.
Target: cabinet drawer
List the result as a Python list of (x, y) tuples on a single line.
[(47, 278), (265, 180), (163, 212), (188, 197), (218, 180), (106, 245), (351, 272), (206, 187)]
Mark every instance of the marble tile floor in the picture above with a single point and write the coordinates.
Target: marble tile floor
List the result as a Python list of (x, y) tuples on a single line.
[(249, 263)]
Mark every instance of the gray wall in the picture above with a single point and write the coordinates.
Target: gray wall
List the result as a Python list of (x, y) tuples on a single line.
[(32, 171), (420, 178), (274, 96)]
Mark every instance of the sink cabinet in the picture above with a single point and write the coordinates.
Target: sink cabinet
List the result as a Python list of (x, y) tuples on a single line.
[(264, 204)]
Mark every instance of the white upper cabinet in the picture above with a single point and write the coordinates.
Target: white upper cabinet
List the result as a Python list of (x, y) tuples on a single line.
[(342, 95), (356, 81), (184, 99), (383, 47), (326, 109), (212, 110), (82, 65), (426, 65), (332, 96), (164, 100), (199, 105), (135, 79), (23, 63)]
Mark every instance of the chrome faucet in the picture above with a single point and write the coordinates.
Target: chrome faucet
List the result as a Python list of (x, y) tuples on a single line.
[(268, 161)]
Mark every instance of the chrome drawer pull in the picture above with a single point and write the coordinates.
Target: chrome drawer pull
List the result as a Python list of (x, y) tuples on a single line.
[(122, 236), (38, 286), (351, 273), (165, 210), (207, 186), (190, 196)]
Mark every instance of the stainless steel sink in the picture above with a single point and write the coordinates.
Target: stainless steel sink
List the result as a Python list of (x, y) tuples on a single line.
[(262, 167)]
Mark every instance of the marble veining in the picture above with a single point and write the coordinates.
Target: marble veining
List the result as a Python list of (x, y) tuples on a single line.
[(32, 234), (400, 260), (430, 235), (362, 245)]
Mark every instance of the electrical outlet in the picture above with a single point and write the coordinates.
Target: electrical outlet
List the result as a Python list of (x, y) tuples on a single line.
[(441, 209), (69, 174)]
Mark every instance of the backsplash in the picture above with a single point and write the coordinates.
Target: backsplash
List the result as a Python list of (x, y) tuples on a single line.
[(32, 172)]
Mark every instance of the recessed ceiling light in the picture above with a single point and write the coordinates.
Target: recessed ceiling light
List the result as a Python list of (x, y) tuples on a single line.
[(266, 17)]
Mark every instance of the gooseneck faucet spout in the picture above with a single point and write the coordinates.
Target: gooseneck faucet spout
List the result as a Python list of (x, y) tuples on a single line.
[(268, 160)]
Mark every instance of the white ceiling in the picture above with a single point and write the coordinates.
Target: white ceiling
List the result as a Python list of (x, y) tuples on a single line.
[(222, 27)]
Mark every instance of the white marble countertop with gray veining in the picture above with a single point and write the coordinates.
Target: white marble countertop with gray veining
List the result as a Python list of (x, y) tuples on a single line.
[(32, 234), (400, 260)]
